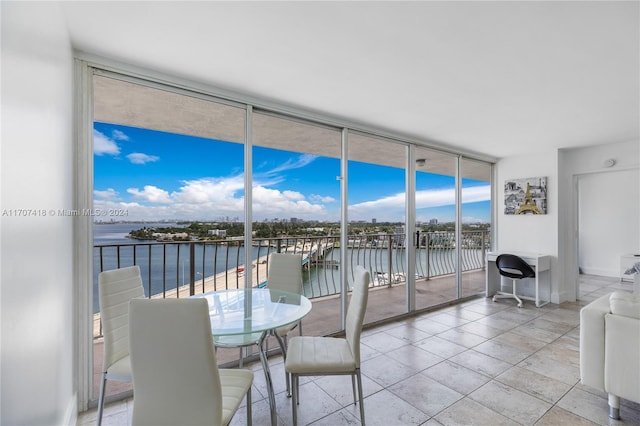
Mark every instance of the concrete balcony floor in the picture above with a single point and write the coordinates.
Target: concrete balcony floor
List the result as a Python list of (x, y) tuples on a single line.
[(476, 362)]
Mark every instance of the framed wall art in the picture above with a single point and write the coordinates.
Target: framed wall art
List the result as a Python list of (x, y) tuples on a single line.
[(525, 196)]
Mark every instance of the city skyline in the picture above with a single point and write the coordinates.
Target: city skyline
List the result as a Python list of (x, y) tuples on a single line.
[(155, 176)]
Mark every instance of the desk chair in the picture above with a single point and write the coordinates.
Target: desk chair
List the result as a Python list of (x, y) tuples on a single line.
[(321, 356), (116, 288), (176, 380), (514, 267)]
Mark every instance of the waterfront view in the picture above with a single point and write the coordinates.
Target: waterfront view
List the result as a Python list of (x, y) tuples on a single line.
[(166, 265)]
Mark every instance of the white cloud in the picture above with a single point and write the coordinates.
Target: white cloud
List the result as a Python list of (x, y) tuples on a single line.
[(151, 194), (107, 194), (223, 191), (269, 202), (119, 135), (103, 145), (321, 199), (141, 158), (302, 161), (392, 207)]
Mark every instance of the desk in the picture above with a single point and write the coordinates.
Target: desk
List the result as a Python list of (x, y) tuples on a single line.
[(266, 309), (541, 291)]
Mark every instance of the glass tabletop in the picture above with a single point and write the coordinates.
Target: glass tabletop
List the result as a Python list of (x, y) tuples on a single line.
[(254, 310)]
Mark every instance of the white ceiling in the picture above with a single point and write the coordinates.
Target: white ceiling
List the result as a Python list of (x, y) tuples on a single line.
[(493, 78)]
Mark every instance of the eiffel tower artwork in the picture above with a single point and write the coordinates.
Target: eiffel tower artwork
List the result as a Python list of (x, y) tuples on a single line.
[(528, 206), (521, 201)]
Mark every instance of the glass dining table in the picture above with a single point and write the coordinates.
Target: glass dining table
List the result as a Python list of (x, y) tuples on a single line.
[(242, 317)]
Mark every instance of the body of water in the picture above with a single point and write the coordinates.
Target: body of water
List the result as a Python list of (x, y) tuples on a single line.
[(168, 265)]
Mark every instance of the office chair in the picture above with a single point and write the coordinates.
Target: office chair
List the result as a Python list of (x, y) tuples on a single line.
[(514, 267)]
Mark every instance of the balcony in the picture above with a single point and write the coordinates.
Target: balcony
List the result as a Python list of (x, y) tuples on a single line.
[(180, 269)]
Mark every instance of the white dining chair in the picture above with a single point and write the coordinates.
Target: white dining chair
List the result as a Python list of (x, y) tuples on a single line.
[(116, 288), (285, 273), (320, 356), (176, 380)]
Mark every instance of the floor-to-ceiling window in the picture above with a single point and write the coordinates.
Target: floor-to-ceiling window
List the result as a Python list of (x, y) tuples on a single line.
[(376, 229), (435, 215), (173, 161), (168, 191), (296, 207), (476, 224)]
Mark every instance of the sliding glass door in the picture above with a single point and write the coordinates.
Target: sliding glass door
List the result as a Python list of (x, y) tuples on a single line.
[(296, 208), (377, 237)]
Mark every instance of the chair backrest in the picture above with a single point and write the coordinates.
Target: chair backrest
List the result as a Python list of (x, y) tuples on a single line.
[(285, 272), (175, 374), (512, 266), (116, 288), (356, 310)]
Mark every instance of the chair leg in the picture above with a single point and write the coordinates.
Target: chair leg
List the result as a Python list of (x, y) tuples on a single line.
[(294, 399), (282, 341), (353, 386), (515, 296), (249, 416), (103, 385), (361, 397)]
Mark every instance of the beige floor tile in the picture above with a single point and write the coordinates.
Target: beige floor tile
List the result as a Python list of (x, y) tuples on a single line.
[(481, 330), (386, 371), (500, 350), (468, 412), (441, 347), (511, 403), (425, 394), (527, 344), (385, 409), (383, 342), (537, 385), (415, 357), (457, 377), (560, 417), (481, 363), (409, 334), (461, 337), (566, 373)]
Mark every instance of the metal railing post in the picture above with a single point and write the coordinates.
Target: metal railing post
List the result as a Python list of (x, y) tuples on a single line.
[(428, 248), (192, 268), (389, 256)]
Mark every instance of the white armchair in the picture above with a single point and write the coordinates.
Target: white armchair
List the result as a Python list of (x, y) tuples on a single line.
[(610, 347)]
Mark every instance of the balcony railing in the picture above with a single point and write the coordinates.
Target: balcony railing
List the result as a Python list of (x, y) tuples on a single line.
[(181, 269)]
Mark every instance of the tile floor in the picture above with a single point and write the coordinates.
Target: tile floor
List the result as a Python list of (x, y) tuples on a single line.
[(478, 363)]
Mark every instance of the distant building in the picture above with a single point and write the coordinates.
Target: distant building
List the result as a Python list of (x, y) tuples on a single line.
[(373, 220), (433, 222), (217, 232)]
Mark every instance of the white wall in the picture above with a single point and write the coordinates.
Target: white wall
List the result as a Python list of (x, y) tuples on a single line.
[(608, 212), (611, 226), (530, 233), (36, 251), (617, 210)]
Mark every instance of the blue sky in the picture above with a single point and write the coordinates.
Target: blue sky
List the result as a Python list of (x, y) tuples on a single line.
[(161, 176)]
